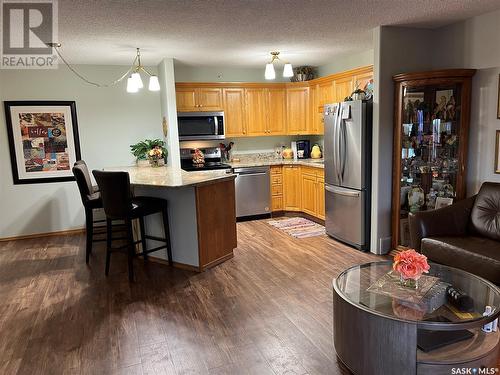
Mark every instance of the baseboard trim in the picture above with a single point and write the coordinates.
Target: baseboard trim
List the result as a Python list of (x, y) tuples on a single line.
[(182, 266), (217, 261), (46, 234)]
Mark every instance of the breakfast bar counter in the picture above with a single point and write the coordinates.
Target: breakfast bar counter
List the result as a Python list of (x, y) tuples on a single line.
[(201, 210)]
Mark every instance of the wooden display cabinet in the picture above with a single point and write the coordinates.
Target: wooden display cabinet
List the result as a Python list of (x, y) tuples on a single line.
[(431, 126)]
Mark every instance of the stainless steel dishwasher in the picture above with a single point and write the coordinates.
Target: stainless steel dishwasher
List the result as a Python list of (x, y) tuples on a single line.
[(252, 191)]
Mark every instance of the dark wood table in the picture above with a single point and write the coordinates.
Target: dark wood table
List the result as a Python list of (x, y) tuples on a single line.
[(376, 333)]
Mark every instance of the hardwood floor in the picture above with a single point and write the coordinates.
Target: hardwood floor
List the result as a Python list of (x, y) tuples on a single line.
[(268, 310)]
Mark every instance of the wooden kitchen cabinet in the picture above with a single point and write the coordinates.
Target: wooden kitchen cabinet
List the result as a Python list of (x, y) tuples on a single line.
[(320, 208), (309, 194), (276, 188), (186, 99), (291, 188), (191, 99), (265, 109), (234, 112), (313, 191), (297, 110), (210, 99), (316, 122), (343, 88), (276, 111), (255, 108)]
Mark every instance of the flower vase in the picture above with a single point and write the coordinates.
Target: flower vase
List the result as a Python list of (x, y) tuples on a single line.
[(408, 283), (155, 163)]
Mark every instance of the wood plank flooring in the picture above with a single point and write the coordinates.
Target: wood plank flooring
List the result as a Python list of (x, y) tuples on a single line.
[(266, 311)]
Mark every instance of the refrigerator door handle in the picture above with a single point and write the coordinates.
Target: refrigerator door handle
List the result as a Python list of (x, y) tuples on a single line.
[(354, 194), (343, 148), (337, 143)]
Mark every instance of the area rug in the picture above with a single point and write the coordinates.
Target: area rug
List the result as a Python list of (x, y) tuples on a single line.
[(298, 227)]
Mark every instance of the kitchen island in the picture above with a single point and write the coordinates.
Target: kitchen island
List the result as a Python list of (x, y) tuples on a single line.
[(201, 213)]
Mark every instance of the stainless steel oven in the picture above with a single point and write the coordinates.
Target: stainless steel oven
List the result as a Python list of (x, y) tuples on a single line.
[(195, 126)]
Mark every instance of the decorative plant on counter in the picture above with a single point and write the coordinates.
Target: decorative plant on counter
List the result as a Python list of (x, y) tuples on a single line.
[(141, 150)]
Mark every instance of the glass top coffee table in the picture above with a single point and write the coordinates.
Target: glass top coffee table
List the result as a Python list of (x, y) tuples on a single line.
[(378, 322)]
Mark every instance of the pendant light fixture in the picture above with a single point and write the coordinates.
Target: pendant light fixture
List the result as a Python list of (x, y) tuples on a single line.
[(271, 74), (134, 80)]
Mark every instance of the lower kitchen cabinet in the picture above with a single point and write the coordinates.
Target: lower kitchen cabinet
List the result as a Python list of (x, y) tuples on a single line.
[(276, 188), (320, 208), (298, 188), (313, 191), (291, 188), (309, 194)]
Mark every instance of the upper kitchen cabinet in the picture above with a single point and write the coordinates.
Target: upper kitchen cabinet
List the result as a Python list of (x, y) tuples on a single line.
[(276, 111), (297, 110), (266, 109), (192, 99), (210, 99), (316, 121), (255, 108), (343, 87), (234, 112), (186, 99)]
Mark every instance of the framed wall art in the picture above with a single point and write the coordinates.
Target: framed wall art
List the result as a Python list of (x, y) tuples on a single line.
[(497, 152), (498, 98), (43, 140)]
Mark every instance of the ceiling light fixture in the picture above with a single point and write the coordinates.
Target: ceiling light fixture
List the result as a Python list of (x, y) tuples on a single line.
[(271, 74), (134, 81)]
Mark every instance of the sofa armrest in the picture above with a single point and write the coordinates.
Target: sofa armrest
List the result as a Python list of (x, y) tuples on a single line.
[(447, 221)]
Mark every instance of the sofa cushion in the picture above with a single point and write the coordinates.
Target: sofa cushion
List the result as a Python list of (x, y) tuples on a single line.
[(485, 215), (477, 255)]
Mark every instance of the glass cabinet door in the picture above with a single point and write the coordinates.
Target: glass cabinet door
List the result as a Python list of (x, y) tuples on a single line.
[(430, 129)]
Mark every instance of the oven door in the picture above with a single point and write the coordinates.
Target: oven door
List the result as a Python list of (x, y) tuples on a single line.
[(200, 125)]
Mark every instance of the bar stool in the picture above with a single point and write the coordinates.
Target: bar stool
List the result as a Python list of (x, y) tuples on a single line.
[(91, 200), (120, 204)]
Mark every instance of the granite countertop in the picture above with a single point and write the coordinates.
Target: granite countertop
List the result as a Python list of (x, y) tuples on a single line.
[(171, 177), (317, 163)]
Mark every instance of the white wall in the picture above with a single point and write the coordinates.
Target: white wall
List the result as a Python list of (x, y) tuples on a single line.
[(396, 50), (109, 120), (187, 73), (474, 43), (346, 62)]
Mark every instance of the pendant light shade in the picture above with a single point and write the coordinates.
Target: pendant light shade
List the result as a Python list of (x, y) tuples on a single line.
[(154, 84), (138, 80), (288, 70), (270, 74), (131, 85)]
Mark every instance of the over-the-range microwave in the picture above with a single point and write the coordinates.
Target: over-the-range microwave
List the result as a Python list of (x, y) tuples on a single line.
[(200, 125)]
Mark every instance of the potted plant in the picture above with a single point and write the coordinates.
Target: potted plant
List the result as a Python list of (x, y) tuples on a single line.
[(141, 150)]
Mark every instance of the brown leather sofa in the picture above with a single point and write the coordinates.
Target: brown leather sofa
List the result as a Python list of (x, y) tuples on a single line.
[(465, 235)]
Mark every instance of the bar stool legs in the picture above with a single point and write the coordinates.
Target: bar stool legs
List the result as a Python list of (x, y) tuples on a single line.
[(129, 247), (89, 225), (166, 227)]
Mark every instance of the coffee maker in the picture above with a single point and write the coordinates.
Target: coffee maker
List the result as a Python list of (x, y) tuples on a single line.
[(303, 149)]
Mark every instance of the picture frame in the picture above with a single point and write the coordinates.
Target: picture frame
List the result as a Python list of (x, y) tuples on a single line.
[(497, 152), (43, 140), (443, 202), (498, 98)]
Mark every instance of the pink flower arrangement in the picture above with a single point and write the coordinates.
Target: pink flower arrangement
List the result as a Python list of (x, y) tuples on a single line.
[(410, 264)]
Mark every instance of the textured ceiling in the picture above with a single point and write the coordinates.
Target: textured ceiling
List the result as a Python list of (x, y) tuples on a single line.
[(238, 32)]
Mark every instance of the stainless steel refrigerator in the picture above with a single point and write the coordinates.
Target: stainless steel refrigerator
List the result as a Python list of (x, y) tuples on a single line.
[(347, 154)]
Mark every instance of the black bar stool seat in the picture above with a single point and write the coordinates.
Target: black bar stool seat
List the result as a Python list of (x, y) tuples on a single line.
[(120, 204)]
